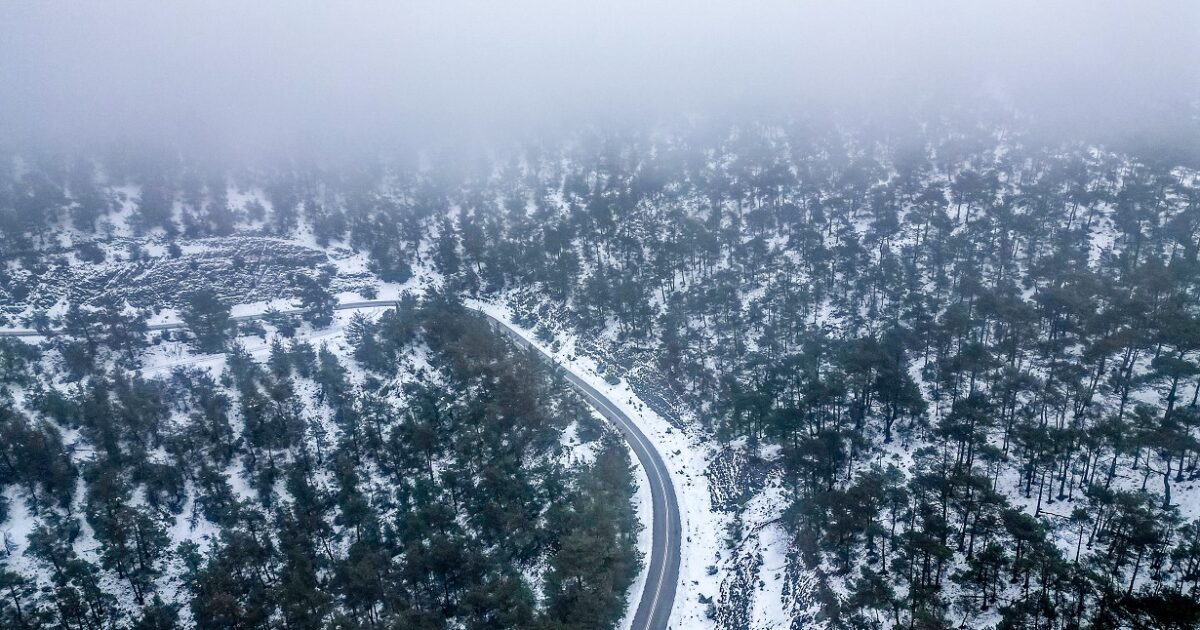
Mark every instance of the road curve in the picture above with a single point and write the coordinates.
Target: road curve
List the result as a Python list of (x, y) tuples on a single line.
[(658, 596)]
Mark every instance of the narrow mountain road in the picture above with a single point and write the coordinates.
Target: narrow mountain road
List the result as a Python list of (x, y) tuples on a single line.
[(658, 596)]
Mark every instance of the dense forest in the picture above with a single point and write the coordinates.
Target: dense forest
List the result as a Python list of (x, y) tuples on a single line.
[(417, 481), (972, 353), (978, 357)]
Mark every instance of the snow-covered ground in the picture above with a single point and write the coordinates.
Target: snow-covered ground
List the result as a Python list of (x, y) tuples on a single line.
[(685, 455)]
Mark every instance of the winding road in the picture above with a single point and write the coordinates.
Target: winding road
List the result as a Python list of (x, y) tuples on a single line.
[(654, 609), (658, 596)]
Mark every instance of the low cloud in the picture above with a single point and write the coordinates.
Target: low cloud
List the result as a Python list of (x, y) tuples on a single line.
[(277, 75)]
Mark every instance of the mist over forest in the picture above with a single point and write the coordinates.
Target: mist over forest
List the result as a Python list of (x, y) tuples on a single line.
[(563, 316), (263, 76)]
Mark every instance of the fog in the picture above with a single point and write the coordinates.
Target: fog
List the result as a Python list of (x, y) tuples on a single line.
[(278, 75)]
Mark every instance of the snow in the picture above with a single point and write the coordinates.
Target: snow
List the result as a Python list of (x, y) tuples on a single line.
[(258, 308), (15, 531), (686, 458), (578, 452), (165, 316), (767, 609)]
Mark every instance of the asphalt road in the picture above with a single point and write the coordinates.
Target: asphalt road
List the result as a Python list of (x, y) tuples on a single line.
[(658, 596)]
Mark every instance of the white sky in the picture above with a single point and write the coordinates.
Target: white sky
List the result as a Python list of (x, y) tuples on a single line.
[(269, 72)]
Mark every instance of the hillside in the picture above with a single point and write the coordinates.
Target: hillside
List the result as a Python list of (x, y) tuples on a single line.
[(944, 375), (401, 466)]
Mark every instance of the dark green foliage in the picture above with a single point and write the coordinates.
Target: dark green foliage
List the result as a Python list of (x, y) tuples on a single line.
[(89, 331), (597, 549), (155, 206), (1015, 319), (207, 318), (315, 299), (33, 457), (335, 504), (132, 539), (16, 361), (976, 355)]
